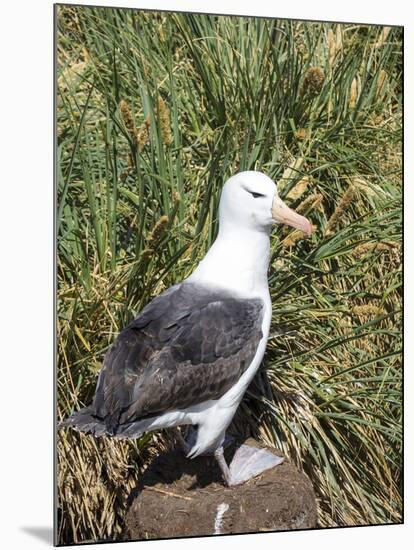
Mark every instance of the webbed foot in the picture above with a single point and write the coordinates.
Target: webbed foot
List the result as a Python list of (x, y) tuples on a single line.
[(248, 462)]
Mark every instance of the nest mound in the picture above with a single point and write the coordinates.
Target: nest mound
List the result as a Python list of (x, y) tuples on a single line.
[(179, 497)]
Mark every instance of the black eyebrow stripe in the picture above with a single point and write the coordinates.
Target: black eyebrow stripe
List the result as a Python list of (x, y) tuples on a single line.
[(255, 195)]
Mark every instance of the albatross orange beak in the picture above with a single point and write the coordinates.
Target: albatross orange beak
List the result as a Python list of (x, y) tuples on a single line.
[(283, 214)]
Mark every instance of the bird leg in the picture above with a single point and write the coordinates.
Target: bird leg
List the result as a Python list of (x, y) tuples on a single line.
[(225, 470), (247, 463), (185, 446)]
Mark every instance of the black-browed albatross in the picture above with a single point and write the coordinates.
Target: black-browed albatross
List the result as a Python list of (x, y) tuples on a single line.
[(191, 353)]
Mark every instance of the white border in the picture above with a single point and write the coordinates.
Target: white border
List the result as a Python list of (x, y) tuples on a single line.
[(27, 270)]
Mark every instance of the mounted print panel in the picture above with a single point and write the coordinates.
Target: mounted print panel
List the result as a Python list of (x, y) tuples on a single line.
[(229, 286)]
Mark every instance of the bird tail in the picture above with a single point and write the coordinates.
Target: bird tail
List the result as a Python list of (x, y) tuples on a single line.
[(85, 421)]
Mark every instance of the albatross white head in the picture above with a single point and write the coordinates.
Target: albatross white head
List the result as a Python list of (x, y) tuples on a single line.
[(249, 200), (239, 258)]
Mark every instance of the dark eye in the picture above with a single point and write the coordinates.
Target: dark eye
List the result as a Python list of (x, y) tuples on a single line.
[(256, 195)]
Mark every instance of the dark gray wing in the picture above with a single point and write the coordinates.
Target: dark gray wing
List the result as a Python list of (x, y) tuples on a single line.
[(190, 344)]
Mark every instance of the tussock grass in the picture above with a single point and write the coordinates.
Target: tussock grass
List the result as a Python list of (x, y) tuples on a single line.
[(154, 112)]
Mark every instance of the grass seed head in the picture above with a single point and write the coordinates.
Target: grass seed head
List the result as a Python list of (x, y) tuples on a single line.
[(294, 167), (164, 114), (294, 237), (158, 231), (334, 41), (354, 93), (313, 81), (127, 117), (331, 46), (142, 134), (367, 310), (365, 248), (301, 134), (382, 78), (299, 189), (342, 206), (310, 203), (338, 38)]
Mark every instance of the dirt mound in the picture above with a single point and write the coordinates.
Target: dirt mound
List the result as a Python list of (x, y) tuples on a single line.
[(179, 497)]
